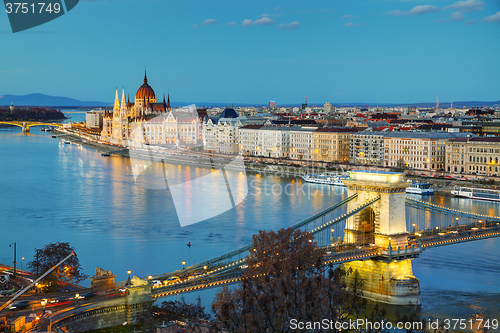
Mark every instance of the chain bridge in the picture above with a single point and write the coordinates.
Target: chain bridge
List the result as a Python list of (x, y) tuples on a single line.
[(367, 232)]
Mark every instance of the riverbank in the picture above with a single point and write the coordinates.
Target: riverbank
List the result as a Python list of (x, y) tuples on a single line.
[(276, 166)]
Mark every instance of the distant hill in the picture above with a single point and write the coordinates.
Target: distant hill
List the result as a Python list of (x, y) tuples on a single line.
[(45, 100), (54, 101)]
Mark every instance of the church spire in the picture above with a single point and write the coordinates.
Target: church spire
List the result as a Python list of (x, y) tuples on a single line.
[(117, 102), (124, 102), (168, 102), (145, 77)]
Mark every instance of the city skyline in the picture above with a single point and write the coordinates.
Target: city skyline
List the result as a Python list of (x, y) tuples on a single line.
[(372, 51)]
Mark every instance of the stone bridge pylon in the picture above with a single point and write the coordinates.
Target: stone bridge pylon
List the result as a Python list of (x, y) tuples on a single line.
[(383, 223)]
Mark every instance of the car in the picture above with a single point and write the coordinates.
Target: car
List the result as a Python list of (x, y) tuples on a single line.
[(172, 279), (60, 299), (19, 305), (89, 294), (156, 283)]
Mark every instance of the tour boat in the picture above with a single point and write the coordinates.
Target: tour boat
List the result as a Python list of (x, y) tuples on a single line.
[(420, 188), (477, 193), (67, 142), (105, 154), (324, 178)]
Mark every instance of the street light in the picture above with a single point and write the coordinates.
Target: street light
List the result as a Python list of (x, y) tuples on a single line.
[(15, 250), (413, 227), (22, 258), (128, 279), (183, 264)]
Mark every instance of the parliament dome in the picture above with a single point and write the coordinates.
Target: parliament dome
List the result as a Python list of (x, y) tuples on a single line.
[(145, 92)]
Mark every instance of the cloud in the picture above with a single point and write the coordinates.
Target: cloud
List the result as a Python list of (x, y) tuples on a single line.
[(469, 22), (261, 21), (493, 18), (289, 26), (455, 17), (194, 25), (349, 16), (350, 24), (209, 21), (232, 24), (270, 15), (277, 8), (466, 6), (418, 10)]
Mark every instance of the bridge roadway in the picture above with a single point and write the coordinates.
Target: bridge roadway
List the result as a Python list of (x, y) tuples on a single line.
[(410, 202), (237, 257), (29, 123)]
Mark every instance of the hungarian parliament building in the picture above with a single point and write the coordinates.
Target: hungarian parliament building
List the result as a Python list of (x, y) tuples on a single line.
[(146, 121)]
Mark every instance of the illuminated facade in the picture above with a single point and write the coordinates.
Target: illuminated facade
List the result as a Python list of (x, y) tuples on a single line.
[(332, 144), (367, 147), (383, 224), (473, 156)]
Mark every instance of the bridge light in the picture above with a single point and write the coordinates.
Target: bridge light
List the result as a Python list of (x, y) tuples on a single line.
[(183, 264)]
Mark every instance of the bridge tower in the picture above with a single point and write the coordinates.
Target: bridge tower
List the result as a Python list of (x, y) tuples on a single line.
[(388, 279), (26, 129)]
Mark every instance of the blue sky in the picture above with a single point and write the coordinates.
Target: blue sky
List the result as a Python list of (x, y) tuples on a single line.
[(375, 51)]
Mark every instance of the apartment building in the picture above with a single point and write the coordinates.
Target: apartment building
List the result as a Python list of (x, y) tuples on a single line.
[(301, 143), (367, 148), (418, 150), (248, 136), (473, 155), (331, 144), (274, 141)]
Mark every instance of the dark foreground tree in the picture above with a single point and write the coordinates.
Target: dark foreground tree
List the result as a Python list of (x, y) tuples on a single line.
[(69, 272), (286, 280), (192, 314)]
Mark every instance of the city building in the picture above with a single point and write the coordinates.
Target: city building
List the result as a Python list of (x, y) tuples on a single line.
[(301, 143), (126, 117), (248, 136), (93, 119), (274, 141), (272, 105), (417, 150), (367, 148), (473, 155), (328, 108), (331, 144)]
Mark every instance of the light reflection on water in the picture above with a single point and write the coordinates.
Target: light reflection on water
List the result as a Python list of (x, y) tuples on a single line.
[(54, 192)]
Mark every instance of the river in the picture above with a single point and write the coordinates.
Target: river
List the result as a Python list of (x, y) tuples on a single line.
[(55, 192)]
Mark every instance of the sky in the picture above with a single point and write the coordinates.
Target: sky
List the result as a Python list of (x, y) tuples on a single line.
[(242, 51)]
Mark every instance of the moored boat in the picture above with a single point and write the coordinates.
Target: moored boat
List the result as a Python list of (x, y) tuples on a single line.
[(324, 178), (420, 188), (477, 193)]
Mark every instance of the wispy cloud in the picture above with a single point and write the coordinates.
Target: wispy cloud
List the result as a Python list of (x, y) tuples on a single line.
[(418, 10), (456, 16), (350, 24), (493, 18), (349, 16), (466, 6), (469, 22), (261, 21), (289, 26), (209, 21), (232, 24), (277, 8), (194, 26), (270, 15)]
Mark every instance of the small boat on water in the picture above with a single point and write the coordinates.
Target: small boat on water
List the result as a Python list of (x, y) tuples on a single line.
[(420, 188), (325, 178), (105, 154), (477, 193), (66, 142), (53, 136)]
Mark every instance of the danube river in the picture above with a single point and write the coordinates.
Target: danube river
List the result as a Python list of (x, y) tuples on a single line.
[(55, 192)]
